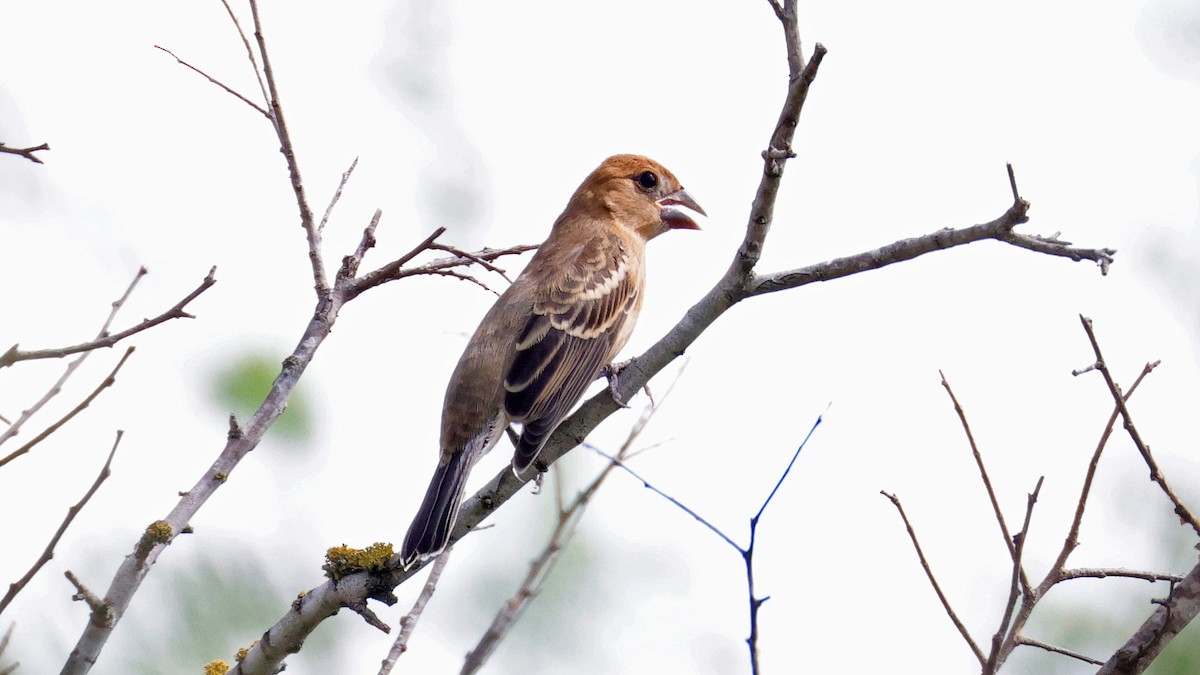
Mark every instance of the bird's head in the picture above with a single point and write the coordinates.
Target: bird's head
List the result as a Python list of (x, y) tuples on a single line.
[(640, 193)]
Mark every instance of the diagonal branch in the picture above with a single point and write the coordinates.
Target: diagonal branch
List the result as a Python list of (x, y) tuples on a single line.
[(1009, 542), (1156, 475), (1019, 588), (311, 232), (104, 384), (13, 355), (1171, 617), (47, 554), (229, 90), (15, 427), (962, 629)]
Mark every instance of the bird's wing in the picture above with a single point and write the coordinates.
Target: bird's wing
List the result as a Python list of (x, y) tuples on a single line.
[(579, 312)]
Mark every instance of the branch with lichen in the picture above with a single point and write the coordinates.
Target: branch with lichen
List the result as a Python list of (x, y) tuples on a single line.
[(740, 282)]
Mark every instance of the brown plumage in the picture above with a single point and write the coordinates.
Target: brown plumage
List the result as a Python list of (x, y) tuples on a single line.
[(550, 334)]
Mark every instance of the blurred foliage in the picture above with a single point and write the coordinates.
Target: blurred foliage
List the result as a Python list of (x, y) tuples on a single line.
[(211, 609), (242, 386)]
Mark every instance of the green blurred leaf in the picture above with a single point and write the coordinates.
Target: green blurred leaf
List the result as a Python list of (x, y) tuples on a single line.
[(243, 385)]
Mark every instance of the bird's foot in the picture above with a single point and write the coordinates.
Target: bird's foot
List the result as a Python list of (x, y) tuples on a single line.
[(613, 373)]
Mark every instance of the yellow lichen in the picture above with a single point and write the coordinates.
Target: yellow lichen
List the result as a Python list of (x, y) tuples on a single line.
[(158, 532), (241, 653), (217, 667), (343, 560)]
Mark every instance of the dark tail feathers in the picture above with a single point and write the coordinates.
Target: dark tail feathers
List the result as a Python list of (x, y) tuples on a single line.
[(430, 529)]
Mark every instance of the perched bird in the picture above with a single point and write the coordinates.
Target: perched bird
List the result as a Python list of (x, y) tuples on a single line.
[(552, 332)]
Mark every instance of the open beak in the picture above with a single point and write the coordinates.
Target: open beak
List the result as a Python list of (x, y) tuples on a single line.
[(678, 219)]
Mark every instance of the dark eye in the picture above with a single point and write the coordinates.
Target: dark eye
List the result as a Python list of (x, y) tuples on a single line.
[(647, 180)]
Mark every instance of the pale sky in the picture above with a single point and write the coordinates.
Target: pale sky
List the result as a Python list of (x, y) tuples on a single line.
[(483, 117)]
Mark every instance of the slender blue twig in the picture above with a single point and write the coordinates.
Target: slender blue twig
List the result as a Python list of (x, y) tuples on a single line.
[(646, 484), (783, 477)]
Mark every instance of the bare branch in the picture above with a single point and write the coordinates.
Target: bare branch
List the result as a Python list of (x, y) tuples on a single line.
[(1072, 539), (962, 629), (646, 484), (1172, 616), (397, 270), (262, 87), (47, 554), (83, 594), (987, 481), (229, 90), (104, 384), (473, 258), (27, 153), (409, 622), (1156, 475), (1002, 647), (14, 355), (4, 645), (1021, 640), (337, 195), (569, 518), (1105, 572), (15, 427), (908, 249), (313, 235)]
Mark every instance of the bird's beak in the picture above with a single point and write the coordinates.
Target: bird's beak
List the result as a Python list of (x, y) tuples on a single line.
[(679, 219)]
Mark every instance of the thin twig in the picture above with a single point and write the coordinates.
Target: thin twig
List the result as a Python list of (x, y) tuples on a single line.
[(229, 90), (1071, 541), (262, 87), (472, 257), (15, 427), (962, 629), (1168, 619), (1156, 475), (311, 233), (540, 569), (1000, 645), (1022, 640), (756, 602), (396, 269), (12, 667), (104, 384), (987, 481), (83, 594), (409, 622), (47, 554), (683, 507), (337, 194), (27, 153), (14, 354)]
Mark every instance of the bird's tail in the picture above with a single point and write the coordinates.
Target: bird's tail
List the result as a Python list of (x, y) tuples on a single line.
[(430, 529)]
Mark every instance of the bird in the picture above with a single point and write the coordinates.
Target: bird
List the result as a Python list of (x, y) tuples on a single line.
[(551, 333)]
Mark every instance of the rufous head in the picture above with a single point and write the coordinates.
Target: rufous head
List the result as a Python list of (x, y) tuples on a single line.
[(640, 193)]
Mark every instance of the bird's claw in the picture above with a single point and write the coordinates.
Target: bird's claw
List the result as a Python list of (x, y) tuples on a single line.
[(613, 372)]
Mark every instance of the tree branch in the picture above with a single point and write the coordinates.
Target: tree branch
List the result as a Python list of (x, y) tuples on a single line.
[(27, 153), (47, 554), (104, 384), (1171, 617), (1156, 475), (962, 629), (13, 355)]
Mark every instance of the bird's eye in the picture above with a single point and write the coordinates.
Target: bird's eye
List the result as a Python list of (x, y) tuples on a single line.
[(647, 180)]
